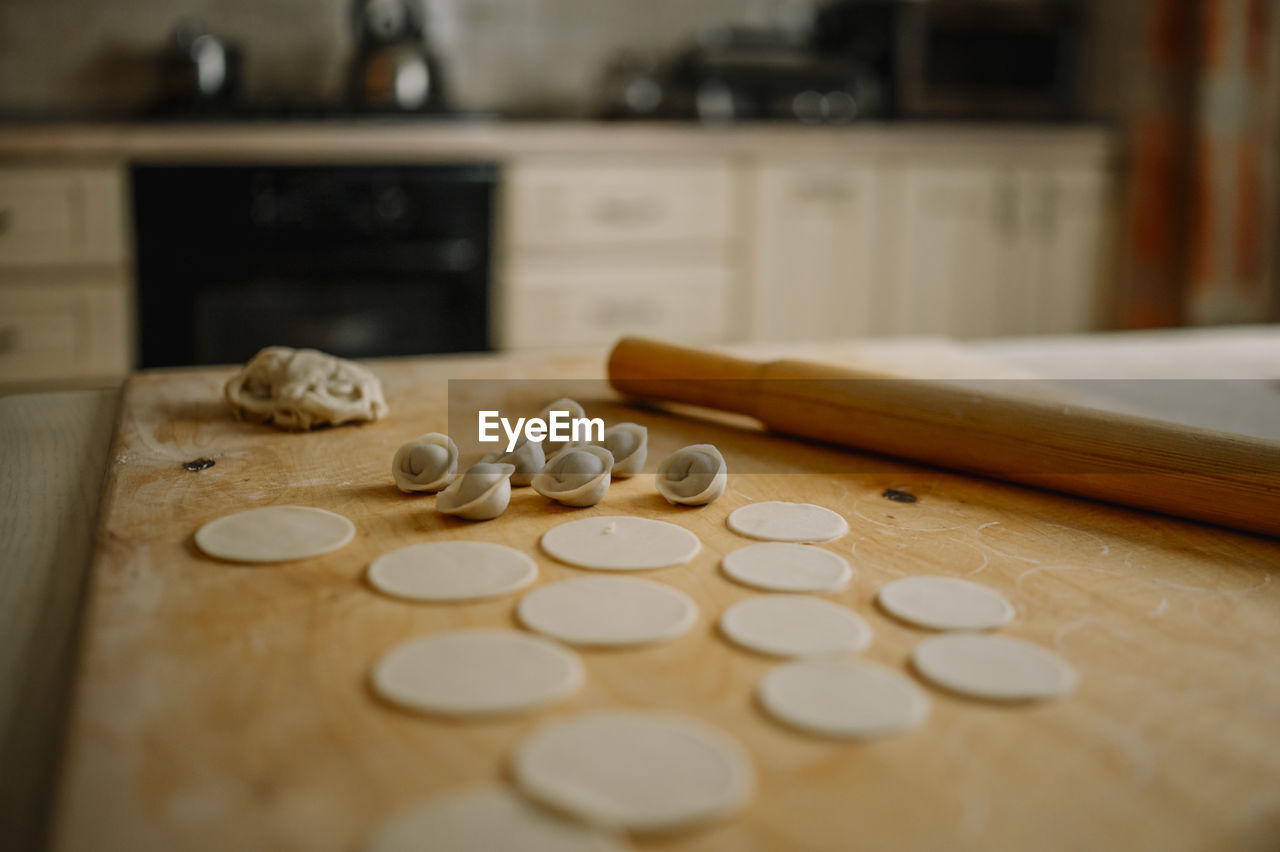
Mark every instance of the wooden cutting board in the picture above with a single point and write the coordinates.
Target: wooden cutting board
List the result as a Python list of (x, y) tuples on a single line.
[(225, 707)]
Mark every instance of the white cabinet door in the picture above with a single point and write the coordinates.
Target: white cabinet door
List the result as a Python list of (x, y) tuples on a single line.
[(1004, 250), (575, 205), (813, 251), (1066, 218), (596, 247), (50, 217), (955, 245), (557, 302), (74, 326)]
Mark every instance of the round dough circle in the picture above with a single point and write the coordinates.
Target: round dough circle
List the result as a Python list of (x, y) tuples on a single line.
[(608, 611), (620, 543), (842, 698), (779, 521), (451, 571), (634, 770), (786, 567), (945, 603), (479, 672), (794, 626), (998, 668), (486, 819), (275, 534)]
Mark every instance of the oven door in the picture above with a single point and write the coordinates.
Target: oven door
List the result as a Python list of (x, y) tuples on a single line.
[(357, 261), (351, 317)]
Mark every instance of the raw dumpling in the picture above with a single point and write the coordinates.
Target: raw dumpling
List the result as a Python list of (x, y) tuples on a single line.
[(694, 475), (528, 459), (578, 476), (303, 388), (575, 411), (480, 494), (427, 463), (629, 444)]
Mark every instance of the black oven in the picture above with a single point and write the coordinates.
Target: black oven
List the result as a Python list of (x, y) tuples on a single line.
[(355, 260)]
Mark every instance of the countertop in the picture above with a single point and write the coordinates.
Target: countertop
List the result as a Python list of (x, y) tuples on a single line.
[(402, 140), (55, 447)]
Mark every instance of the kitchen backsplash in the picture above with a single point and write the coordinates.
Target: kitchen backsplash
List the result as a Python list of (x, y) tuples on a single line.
[(540, 57)]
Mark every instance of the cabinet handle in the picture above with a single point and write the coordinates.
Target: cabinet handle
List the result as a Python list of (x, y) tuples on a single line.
[(8, 339), (6, 219)]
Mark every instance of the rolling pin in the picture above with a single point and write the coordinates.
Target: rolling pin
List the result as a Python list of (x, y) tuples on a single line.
[(1185, 471)]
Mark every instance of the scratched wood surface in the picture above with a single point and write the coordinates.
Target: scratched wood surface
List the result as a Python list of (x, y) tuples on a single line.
[(225, 707)]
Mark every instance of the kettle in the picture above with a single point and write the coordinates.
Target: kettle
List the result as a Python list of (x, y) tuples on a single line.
[(393, 69), (201, 71)]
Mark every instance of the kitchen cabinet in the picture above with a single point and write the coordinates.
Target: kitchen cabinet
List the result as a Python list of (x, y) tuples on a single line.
[(980, 246), (1067, 220), (596, 302), (682, 232), (813, 258), (71, 327), (599, 247), (603, 202), (951, 243), (59, 216), (65, 286), (997, 250)]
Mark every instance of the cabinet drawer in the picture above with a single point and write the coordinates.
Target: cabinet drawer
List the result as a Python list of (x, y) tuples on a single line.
[(59, 216), (563, 206), (63, 330), (599, 308)]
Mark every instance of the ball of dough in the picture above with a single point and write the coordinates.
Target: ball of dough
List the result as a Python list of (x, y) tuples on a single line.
[(304, 388)]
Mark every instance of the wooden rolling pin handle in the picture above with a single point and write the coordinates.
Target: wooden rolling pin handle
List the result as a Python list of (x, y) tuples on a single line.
[(1179, 470), (652, 370)]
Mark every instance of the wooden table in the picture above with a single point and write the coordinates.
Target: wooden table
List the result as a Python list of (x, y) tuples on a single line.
[(220, 706)]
